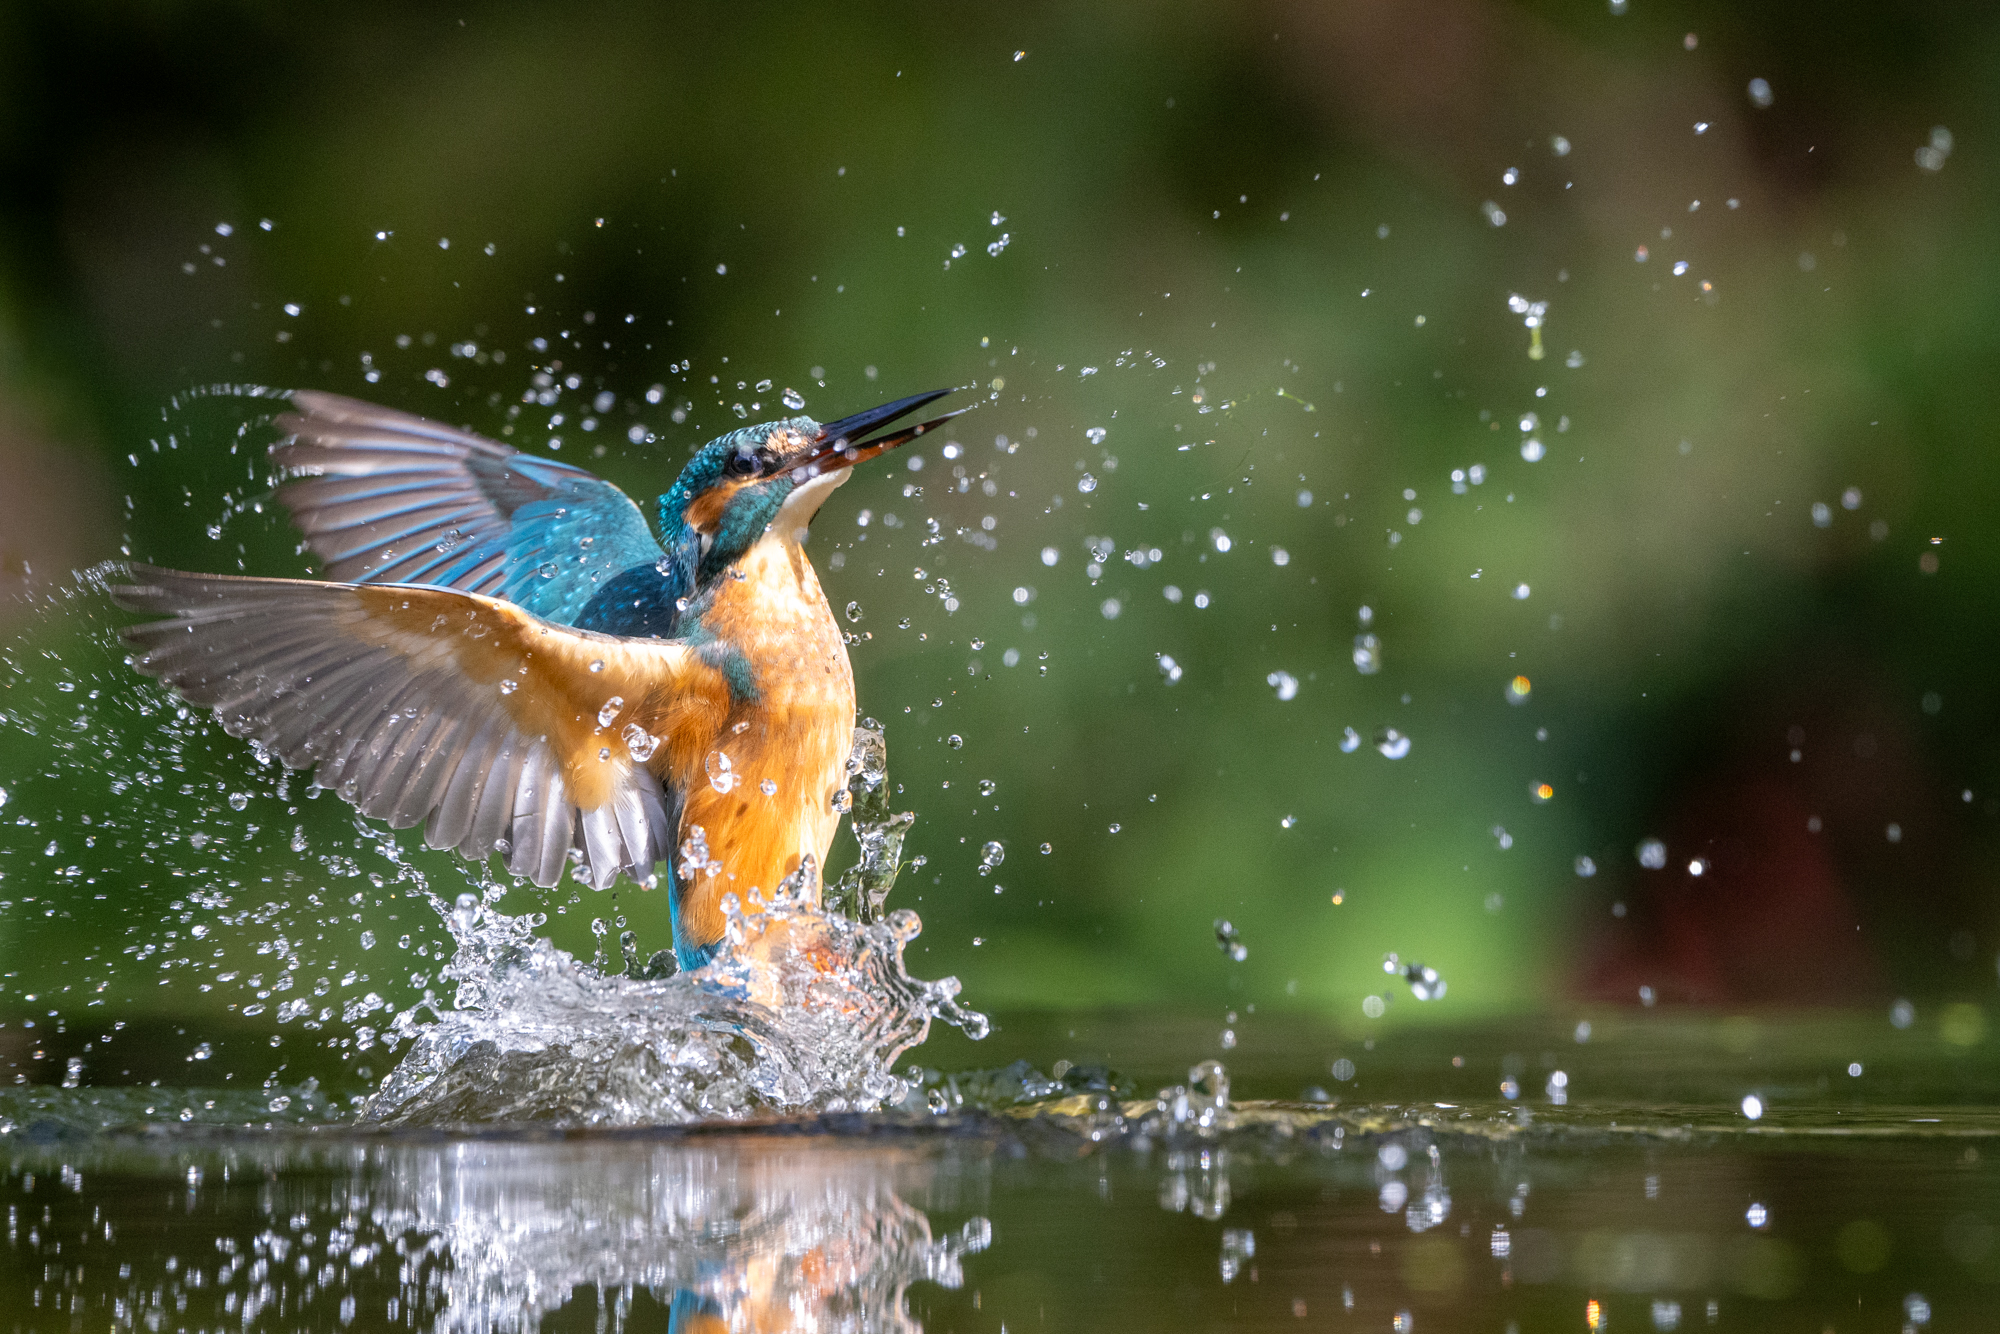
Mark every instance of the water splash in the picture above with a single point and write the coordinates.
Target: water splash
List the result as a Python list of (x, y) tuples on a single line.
[(802, 1010)]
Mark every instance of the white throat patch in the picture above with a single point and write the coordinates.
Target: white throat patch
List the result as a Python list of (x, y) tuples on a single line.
[(796, 514)]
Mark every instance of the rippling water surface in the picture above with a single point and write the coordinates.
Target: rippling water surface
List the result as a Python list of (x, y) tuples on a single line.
[(1026, 1199)]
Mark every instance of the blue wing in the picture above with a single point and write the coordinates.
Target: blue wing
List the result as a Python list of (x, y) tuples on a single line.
[(385, 497)]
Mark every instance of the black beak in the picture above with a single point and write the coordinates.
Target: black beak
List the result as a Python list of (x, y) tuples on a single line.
[(842, 444)]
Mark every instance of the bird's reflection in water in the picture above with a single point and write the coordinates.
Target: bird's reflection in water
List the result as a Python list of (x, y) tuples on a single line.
[(763, 1237), (603, 1233)]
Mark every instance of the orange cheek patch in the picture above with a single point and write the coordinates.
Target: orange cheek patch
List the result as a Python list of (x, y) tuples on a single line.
[(705, 511)]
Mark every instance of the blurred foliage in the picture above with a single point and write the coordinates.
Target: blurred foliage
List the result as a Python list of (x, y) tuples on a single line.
[(1212, 258)]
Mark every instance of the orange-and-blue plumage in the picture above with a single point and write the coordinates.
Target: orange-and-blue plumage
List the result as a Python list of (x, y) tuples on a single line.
[(508, 654)]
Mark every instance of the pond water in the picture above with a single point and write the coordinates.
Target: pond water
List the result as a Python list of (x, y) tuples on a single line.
[(1020, 1199)]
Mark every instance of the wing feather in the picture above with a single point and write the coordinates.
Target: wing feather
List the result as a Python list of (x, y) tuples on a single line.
[(385, 497), (393, 694)]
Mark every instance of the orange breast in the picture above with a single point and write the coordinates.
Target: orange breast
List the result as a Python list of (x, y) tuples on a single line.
[(762, 786)]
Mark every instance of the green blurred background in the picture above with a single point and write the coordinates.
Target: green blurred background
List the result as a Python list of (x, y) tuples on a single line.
[(1234, 284)]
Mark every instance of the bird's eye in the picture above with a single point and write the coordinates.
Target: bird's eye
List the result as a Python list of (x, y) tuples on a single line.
[(742, 464)]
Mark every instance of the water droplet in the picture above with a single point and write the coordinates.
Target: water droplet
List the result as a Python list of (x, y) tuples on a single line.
[(987, 787), (1392, 743), (1284, 683), (238, 800), (1519, 689), (1760, 94), (1048, 848), (955, 741), (769, 787), (367, 940), (793, 399), (853, 612), (640, 742), (721, 776), (842, 801), (597, 665), (609, 711), (1585, 867), (1228, 941), (991, 855), (1652, 854), (1753, 1108), (1220, 539), (1367, 654), (1169, 668), (1350, 740), (1532, 450), (1086, 483)]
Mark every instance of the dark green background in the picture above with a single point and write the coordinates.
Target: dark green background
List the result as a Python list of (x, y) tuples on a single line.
[(1274, 205)]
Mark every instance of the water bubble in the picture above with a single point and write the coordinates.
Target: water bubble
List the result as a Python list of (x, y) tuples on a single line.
[(1425, 983), (853, 612), (1374, 1006), (1284, 683), (1111, 607), (1227, 940), (1047, 848), (1350, 741), (1367, 654), (609, 711), (991, 854), (1392, 743), (1238, 1244), (955, 741), (1342, 1070)]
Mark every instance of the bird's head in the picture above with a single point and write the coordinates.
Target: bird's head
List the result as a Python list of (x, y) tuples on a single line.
[(742, 485)]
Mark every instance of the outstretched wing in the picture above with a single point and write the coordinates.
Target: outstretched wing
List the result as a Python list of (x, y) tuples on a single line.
[(385, 497), (495, 728)]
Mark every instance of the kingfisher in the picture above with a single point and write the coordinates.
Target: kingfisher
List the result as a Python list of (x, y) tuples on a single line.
[(503, 650)]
